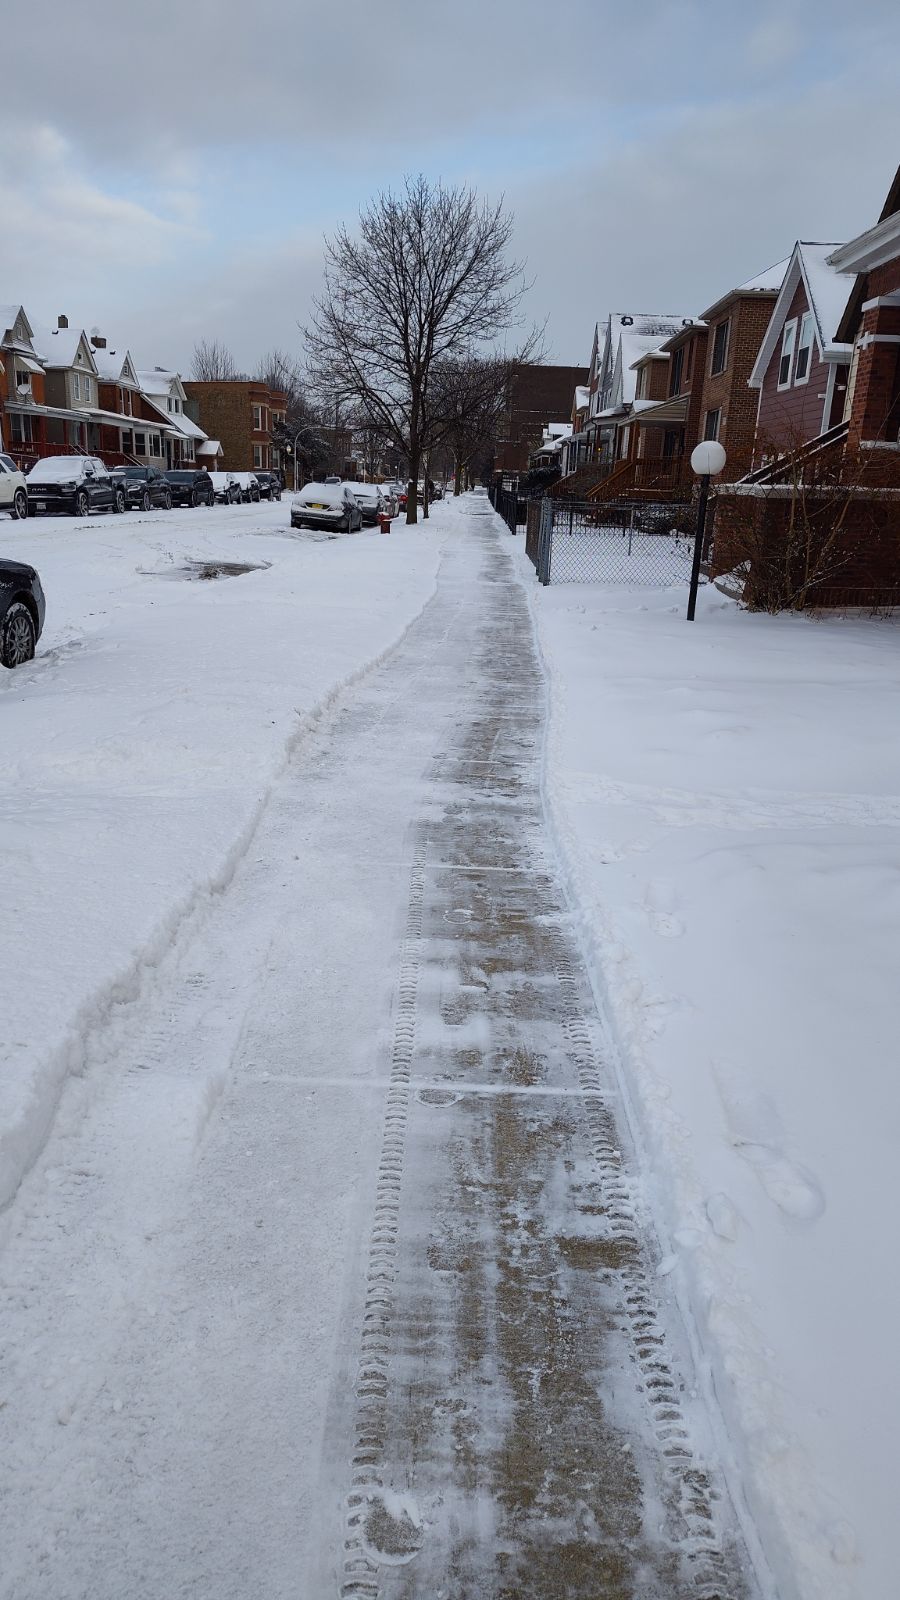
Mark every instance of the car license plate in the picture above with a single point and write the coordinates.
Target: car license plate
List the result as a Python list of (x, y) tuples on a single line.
[(40, 505), (316, 505)]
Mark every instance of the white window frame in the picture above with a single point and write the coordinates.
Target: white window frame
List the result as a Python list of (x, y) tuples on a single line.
[(155, 446), (76, 386), (806, 322), (713, 411), (258, 457), (140, 443), (788, 348)]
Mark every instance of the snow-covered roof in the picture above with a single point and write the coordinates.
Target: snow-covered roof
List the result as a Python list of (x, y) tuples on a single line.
[(9, 316), (827, 292), (160, 381), (557, 430), (772, 278), (177, 420), (59, 347), (210, 447), (582, 395), (115, 366)]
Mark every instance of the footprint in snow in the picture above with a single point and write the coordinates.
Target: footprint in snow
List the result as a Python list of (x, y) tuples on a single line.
[(661, 902), (792, 1188)]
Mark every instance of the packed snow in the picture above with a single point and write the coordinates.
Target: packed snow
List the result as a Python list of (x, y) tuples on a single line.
[(140, 745), (727, 797)]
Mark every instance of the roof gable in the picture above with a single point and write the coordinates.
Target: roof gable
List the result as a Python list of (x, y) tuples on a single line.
[(826, 295), (14, 326), (65, 347)]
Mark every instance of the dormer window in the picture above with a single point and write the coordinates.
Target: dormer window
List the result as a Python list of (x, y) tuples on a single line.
[(169, 403)]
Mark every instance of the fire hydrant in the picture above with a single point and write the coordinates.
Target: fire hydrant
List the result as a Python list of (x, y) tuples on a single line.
[(384, 522)]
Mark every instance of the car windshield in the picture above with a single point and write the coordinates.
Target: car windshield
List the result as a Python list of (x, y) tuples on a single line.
[(323, 494), (58, 469), (181, 477), (131, 472)]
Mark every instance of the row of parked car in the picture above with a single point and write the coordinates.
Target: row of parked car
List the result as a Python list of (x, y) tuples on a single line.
[(82, 484), (345, 506)]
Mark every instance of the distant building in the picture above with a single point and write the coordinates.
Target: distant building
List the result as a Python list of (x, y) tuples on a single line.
[(241, 415), (537, 395)]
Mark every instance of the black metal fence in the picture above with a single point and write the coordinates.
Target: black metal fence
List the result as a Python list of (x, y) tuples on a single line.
[(644, 543), (508, 503)]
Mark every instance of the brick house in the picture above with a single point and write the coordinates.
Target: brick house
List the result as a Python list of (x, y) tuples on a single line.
[(800, 372), (241, 413), (840, 489), (627, 377), (871, 320), (23, 411)]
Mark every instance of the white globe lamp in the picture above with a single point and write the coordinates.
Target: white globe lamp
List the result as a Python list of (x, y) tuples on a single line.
[(708, 458)]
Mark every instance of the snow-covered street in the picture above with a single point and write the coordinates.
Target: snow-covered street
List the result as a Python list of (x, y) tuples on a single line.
[(328, 1267)]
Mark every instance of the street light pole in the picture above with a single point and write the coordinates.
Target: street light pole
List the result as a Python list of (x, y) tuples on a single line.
[(707, 460)]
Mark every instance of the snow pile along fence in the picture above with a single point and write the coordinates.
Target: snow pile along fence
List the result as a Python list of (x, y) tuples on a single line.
[(583, 542)]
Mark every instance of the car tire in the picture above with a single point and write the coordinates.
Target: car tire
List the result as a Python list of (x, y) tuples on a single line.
[(167, 501), (20, 505), (18, 636), (118, 504), (145, 500), (80, 508)]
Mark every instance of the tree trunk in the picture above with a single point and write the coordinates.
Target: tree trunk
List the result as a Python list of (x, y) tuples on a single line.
[(415, 458), (457, 474), (425, 495)]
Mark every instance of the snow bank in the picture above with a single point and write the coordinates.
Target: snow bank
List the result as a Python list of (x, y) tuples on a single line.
[(140, 746), (727, 800)]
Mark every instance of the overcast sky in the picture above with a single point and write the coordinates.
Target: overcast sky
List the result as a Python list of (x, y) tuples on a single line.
[(168, 170)]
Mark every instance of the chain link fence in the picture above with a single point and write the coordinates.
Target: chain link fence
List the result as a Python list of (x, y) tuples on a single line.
[(582, 542)]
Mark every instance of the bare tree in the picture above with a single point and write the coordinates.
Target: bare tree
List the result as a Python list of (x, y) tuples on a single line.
[(426, 277), (213, 362)]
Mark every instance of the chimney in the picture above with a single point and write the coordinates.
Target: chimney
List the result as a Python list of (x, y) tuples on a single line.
[(98, 342), (61, 322)]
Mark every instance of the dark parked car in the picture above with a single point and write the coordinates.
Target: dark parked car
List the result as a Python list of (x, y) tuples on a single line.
[(21, 612), (144, 487), (269, 485), (190, 488), (77, 484)]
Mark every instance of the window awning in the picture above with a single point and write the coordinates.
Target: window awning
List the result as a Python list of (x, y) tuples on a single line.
[(667, 413)]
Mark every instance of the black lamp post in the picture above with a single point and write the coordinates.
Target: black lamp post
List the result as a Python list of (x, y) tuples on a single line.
[(707, 460)]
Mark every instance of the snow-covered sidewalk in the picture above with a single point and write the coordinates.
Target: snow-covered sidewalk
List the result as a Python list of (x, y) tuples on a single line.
[(140, 745), (727, 797)]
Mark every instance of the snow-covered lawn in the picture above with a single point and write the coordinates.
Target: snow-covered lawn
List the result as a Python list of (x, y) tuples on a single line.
[(727, 797), (137, 751)]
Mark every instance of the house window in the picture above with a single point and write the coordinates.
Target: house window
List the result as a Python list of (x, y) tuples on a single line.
[(804, 348), (788, 340), (155, 445), (140, 444), (712, 423), (720, 347), (690, 360), (677, 370), (76, 387), (87, 390), (257, 455)]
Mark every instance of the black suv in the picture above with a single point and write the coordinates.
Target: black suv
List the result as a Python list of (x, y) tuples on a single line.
[(144, 487), (21, 612), (77, 484), (190, 488), (269, 485)]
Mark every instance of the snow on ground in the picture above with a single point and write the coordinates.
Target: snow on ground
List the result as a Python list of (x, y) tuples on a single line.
[(727, 797), (140, 745)]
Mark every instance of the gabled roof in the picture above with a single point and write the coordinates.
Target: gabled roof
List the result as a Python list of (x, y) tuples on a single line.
[(764, 284), (178, 421), (827, 293), (877, 244), (61, 347), (161, 382), (116, 367), (9, 317)]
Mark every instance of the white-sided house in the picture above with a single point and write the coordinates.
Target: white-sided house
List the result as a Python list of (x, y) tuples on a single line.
[(168, 426), (575, 451), (802, 367), (71, 387), (625, 338), (554, 440)]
